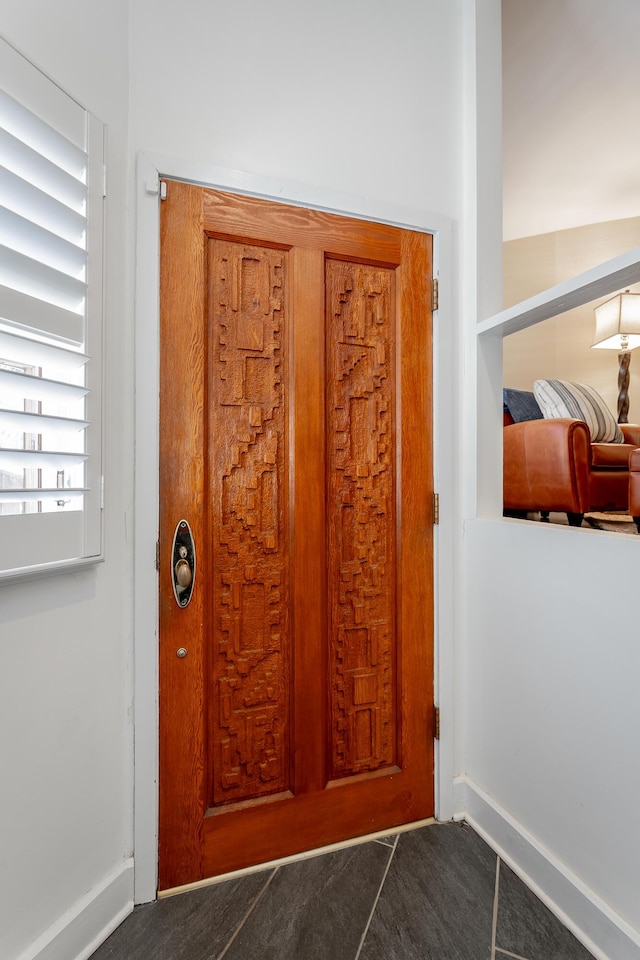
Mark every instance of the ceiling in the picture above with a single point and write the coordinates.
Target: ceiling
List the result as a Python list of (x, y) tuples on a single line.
[(571, 113)]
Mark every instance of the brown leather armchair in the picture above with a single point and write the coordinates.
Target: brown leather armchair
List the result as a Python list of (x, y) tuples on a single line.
[(551, 465)]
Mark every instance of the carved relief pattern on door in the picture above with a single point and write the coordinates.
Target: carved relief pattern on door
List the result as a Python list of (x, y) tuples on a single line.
[(360, 318), (249, 482)]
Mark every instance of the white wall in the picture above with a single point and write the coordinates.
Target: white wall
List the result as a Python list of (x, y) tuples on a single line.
[(65, 686), (548, 666), (571, 86), (553, 705), (351, 97)]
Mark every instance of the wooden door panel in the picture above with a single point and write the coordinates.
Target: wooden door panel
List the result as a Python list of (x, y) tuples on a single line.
[(360, 333), (313, 820), (295, 425), (248, 612), (279, 223)]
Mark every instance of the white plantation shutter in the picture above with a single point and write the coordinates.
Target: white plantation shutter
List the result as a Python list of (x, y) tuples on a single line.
[(51, 224)]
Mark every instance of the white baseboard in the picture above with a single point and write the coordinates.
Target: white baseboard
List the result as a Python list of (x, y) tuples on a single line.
[(81, 930), (602, 931), (459, 798)]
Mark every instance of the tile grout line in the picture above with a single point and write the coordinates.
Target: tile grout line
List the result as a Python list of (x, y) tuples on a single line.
[(507, 953), (247, 914), (375, 902), (494, 918)]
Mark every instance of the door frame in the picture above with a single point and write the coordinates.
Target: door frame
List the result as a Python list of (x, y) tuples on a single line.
[(150, 169)]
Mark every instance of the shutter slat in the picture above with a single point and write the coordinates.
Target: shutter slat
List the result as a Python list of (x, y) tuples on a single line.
[(29, 276), (29, 128), (28, 238), (22, 495), (36, 205), (21, 160), (37, 316), (39, 459), (23, 386), (33, 353), (39, 422)]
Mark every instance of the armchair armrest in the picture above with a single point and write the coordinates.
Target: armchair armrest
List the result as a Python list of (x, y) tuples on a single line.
[(631, 433), (546, 465)]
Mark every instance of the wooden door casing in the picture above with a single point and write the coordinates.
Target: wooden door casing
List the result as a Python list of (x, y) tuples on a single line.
[(296, 440)]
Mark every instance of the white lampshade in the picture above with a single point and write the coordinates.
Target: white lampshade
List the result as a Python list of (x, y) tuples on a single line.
[(618, 323)]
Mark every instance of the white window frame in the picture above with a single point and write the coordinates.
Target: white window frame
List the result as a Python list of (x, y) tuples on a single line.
[(43, 543)]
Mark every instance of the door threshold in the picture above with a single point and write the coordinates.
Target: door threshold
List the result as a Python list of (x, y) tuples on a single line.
[(305, 855)]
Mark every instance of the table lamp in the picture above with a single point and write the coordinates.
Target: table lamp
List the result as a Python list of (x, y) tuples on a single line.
[(618, 328)]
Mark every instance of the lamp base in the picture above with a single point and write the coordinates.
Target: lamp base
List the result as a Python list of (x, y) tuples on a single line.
[(623, 387)]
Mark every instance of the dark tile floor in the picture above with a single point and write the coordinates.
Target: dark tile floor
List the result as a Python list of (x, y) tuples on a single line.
[(436, 893)]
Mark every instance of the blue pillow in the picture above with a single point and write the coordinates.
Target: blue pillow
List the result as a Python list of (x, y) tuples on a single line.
[(521, 404)]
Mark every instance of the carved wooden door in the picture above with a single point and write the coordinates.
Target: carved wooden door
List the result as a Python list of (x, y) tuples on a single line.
[(296, 442)]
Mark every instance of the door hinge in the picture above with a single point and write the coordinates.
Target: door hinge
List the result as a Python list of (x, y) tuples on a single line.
[(157, 554), (436, 723), (434, 293), (436, 509)]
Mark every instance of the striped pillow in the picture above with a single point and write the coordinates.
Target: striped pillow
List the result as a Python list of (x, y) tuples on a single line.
[(559, 398)]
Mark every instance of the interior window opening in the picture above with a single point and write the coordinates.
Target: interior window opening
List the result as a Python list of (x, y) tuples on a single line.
[(571, 417)]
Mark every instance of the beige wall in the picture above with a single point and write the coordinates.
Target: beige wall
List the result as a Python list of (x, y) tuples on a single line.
[(560, 347)]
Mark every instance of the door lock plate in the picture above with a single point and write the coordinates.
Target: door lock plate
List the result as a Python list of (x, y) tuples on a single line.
[(183, 563)]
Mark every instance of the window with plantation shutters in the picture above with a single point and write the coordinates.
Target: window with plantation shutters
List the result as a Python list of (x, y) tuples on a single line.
[(51, 225)]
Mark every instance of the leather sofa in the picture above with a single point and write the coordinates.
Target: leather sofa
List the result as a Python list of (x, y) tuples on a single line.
[(551, 465)]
